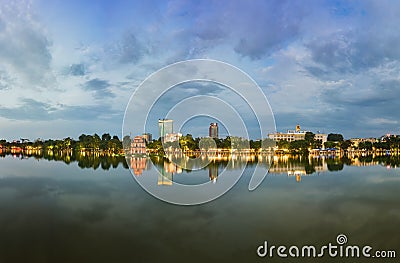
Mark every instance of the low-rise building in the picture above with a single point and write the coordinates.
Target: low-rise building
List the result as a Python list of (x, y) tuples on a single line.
[(172, 137), (296, 135), (138, 146), (356, 141)]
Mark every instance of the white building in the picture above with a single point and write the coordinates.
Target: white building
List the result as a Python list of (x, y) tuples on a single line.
[(172, 137), (296, 135)]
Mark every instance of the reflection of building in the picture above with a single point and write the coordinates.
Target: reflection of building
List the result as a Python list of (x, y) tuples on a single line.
[(297, 168), (148, 137), (165, 126), (213, 172), (138, 165), (167, 171), (138, 146), (213, 130), (296, 135), (166, 175)]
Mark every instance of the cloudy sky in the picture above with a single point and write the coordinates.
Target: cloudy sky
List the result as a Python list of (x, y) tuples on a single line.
[(70, 67)]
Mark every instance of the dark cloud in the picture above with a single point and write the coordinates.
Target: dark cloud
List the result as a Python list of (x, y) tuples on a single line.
[(190, 30), (30, 109), (265, 26), (361, 43), (99, 87), (333, 53), (352, 54), (24, 47), (352, 115), (5, 80), (77, 70), (129, 49), (2, 25), (355, 103)]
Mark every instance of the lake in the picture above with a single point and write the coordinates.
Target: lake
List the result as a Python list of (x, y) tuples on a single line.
[(93, 210)]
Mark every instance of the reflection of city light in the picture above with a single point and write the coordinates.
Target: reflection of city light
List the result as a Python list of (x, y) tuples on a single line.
[(298, 178), (138, 165)]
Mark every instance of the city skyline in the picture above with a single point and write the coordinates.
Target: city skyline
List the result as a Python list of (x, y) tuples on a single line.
[(70, 67)]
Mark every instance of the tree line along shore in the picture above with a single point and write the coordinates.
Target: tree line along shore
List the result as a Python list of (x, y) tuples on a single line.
[(112, 145)]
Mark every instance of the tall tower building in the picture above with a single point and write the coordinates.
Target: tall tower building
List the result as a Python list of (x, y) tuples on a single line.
[(165, 126), (213, 130)]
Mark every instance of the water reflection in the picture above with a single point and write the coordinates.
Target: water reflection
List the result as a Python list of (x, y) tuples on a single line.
[(138, 165), (292, 165), (84, 161), (103, 218)]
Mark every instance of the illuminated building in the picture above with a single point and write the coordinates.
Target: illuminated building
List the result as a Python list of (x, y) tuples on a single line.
[(138, 146), (213, 130), (296, 135), (172, 137), (356, 141), (165, 126)]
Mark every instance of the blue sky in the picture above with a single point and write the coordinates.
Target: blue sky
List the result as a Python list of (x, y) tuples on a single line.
[(69, 67)]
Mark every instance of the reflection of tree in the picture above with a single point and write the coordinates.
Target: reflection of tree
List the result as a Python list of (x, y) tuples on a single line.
[(85, 160), (334, 164), (310, 168), (346, 160), (392, 161), (105, 165), (366, 159)]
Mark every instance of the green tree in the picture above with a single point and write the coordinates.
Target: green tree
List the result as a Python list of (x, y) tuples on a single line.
[(345, 145), (309, 137), (365, 146), (335, 137), (227, 143), (126, 142), (330, 144), (106, 137), (66, 144), (256, 145), (268, 143), (283, 144), (188, 143), (300, 146)]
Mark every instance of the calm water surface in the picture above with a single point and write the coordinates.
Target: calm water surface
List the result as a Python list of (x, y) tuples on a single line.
[(94, 211)]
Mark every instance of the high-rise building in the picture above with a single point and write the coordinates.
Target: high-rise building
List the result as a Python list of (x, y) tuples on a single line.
[(165, 126), (213, 130), (148, 137)]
